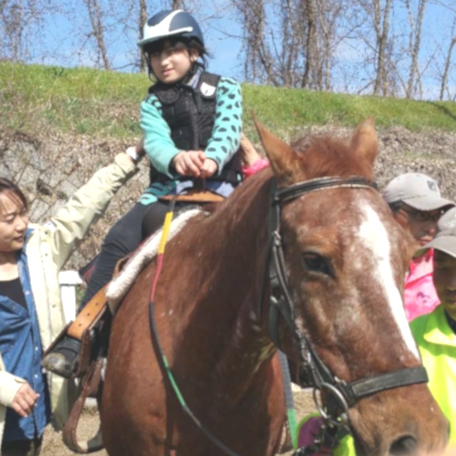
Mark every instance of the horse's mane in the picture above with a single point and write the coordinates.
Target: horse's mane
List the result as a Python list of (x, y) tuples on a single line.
[(324, 156)]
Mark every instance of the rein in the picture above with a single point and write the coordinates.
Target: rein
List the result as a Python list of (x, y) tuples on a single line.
[(155, 336), (342, 395)]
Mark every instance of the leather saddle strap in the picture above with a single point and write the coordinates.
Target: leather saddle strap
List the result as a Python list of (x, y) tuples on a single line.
[(89, 315), (195, 196), (90, 386)]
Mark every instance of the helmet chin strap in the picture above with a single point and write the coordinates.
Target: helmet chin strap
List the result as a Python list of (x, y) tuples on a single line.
[(151, 72), (192, 71)]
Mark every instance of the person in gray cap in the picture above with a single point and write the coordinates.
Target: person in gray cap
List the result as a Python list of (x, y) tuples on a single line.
[(417, 206), (435, 333)]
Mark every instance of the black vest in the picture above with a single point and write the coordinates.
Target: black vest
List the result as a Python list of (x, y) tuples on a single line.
[(190, 114)]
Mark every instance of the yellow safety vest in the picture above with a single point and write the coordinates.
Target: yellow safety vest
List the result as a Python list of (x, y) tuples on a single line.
[(437, 344)]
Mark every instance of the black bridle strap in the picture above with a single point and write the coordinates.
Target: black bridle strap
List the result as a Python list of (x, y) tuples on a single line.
[(293, 191), (365, 387), (371, 385)]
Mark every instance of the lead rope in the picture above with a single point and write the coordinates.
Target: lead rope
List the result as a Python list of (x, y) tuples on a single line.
[(159, 262), (291, 411)]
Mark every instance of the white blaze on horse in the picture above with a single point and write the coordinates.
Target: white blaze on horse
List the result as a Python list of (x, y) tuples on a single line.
[(341, 261)]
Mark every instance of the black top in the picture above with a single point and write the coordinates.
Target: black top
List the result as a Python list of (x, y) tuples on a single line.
[(451, 322), (190, 113), (13, 290)]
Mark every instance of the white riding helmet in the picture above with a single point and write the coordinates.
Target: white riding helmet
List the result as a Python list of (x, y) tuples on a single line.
[(167, 24)]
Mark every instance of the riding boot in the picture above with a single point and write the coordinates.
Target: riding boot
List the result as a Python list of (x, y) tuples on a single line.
[(63, 359)]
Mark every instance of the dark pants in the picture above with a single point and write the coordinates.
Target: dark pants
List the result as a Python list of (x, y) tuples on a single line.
[(22, 447), (123, 238)]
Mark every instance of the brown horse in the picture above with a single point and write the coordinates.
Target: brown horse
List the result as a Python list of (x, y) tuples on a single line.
[(345, 261)]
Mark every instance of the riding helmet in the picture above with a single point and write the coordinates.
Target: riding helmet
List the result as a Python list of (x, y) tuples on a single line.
[(170, 23)]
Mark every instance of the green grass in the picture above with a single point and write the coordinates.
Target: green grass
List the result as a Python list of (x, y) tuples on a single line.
[(282, 108), (106, 104), (81, 101)]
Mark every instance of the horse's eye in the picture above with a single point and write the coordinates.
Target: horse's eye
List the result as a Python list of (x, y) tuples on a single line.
[(316, 263)]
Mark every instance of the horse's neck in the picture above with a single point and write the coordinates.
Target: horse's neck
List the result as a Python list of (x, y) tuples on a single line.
[(242, 227)]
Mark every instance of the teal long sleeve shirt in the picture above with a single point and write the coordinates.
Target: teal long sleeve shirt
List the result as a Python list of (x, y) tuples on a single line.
[(222, 145)]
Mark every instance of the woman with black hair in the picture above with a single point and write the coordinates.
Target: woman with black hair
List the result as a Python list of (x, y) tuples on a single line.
[(31, 310)]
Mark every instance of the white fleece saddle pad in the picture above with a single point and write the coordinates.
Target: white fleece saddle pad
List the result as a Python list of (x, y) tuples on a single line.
[(119, 287)]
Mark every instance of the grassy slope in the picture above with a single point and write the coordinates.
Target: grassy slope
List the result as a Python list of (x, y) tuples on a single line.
[(106, 104)]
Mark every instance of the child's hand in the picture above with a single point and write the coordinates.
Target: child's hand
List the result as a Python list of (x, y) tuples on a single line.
[(209, 168), (189, 163)]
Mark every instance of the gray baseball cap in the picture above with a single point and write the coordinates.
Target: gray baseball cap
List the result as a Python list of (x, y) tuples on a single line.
[(445, 239), (416, 190)]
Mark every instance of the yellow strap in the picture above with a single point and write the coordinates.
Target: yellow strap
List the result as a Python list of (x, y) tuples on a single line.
[(166, 227)]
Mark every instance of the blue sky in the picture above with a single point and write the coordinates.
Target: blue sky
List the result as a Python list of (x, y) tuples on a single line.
[(226, 54), (436, 35), (222, 37), (64, 46)]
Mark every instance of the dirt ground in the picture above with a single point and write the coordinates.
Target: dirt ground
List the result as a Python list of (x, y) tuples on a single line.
[(53, 444)]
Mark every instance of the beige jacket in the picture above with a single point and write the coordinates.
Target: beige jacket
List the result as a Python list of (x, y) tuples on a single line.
[(48, 249)]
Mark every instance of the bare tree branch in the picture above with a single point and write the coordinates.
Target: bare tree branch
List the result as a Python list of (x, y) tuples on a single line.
[(96, 18), (142, 21), (444, 84), (415, 44)]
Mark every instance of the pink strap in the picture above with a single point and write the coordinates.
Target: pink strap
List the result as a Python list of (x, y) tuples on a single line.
[(257, 166)]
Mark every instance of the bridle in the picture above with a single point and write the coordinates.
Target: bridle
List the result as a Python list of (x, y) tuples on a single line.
[(341, 395)]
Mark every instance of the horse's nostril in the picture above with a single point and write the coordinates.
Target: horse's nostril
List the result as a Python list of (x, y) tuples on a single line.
[(403, 445)]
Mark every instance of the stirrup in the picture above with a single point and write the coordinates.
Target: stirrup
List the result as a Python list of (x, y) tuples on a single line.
[(79, 331), (63, 359)]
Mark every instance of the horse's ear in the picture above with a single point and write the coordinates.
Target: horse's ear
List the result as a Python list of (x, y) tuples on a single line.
[(365, 141), (282, 158)]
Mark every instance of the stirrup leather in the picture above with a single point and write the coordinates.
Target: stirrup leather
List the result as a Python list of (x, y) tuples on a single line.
[(89, 316)]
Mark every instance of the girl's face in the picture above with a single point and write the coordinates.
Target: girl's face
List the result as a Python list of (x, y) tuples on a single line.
[(172, 64), (13, 223)]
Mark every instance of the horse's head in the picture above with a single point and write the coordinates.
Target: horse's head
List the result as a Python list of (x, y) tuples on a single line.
[(345, 260)]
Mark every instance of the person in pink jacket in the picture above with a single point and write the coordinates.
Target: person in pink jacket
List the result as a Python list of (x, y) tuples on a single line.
[(417, 205)]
